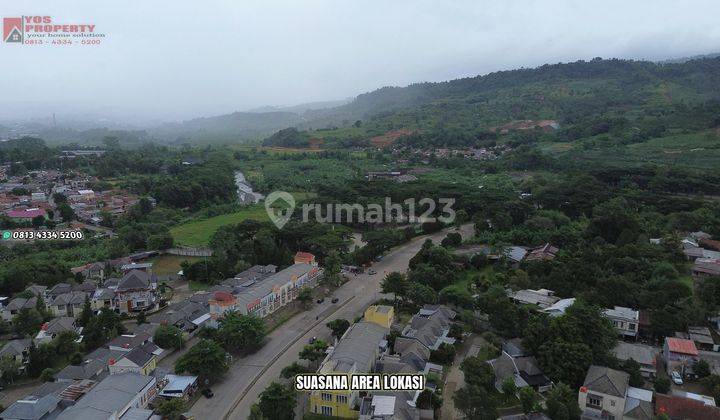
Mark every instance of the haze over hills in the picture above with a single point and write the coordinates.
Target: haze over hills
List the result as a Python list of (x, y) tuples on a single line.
[(569, 93)]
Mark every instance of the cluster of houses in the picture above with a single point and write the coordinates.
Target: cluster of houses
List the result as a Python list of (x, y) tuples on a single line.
[(117, 381), (21, 193), (606, 393), (136, 291), (260, 290), (364, 348), (399, 176), (472, 153), (88, 205), (704, 252), (120, 379), (39, 187), (514, 254)]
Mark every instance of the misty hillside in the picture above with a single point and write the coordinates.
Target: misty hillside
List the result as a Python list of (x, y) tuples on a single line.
[(586, 98), (629, 98), (226, 128), (302, 108), (550, 91)]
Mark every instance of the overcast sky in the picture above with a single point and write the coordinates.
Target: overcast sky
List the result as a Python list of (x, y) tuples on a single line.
[(175, 59)]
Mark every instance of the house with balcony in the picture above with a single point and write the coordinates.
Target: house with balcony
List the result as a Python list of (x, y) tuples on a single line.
[(606, 394), (625, 320), (135, 292)]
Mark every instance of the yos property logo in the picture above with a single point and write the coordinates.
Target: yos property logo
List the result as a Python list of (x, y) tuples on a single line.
[(41, 30), (13, 30)]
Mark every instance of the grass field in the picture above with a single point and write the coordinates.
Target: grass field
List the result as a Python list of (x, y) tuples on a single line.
[(697, 150), (198, 233), (169, 264)]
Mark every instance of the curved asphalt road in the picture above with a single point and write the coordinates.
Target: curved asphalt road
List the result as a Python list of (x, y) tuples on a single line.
[(249, 376)]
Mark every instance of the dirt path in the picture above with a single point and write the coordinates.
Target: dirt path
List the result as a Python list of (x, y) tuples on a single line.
[(455, 378)]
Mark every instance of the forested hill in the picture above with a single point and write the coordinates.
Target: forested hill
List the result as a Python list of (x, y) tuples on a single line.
[(559, 91)]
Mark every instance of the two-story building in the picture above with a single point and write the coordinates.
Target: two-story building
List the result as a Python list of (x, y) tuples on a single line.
[(139, 360), (68, 304), (18, 350), (356, 352), (680, 355), (606, 394), (56, 326), (220, 303), (135, 292), (380, 314), (16, 305), (625, 320), (267, 295)]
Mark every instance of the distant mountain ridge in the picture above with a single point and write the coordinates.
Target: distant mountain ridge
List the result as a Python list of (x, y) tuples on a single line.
[(301, 108), (575, 94)]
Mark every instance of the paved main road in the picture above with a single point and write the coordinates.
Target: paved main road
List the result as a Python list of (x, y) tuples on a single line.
[(249, 376)]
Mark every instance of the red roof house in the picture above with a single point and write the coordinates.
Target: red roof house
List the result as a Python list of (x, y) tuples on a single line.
[(684, 408), (26, 214), (682, 346), (680, 355), (304, 258)]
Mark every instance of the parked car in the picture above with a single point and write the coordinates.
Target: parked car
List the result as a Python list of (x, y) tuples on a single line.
[(371, 272), (676, 378), (321, 300), (207, 392), (379, 258), (334, 300)]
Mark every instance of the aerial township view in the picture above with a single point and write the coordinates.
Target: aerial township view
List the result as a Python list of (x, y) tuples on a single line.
[(375, 210)]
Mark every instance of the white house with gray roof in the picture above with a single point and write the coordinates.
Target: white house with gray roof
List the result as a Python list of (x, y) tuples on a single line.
[(606, 394)]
